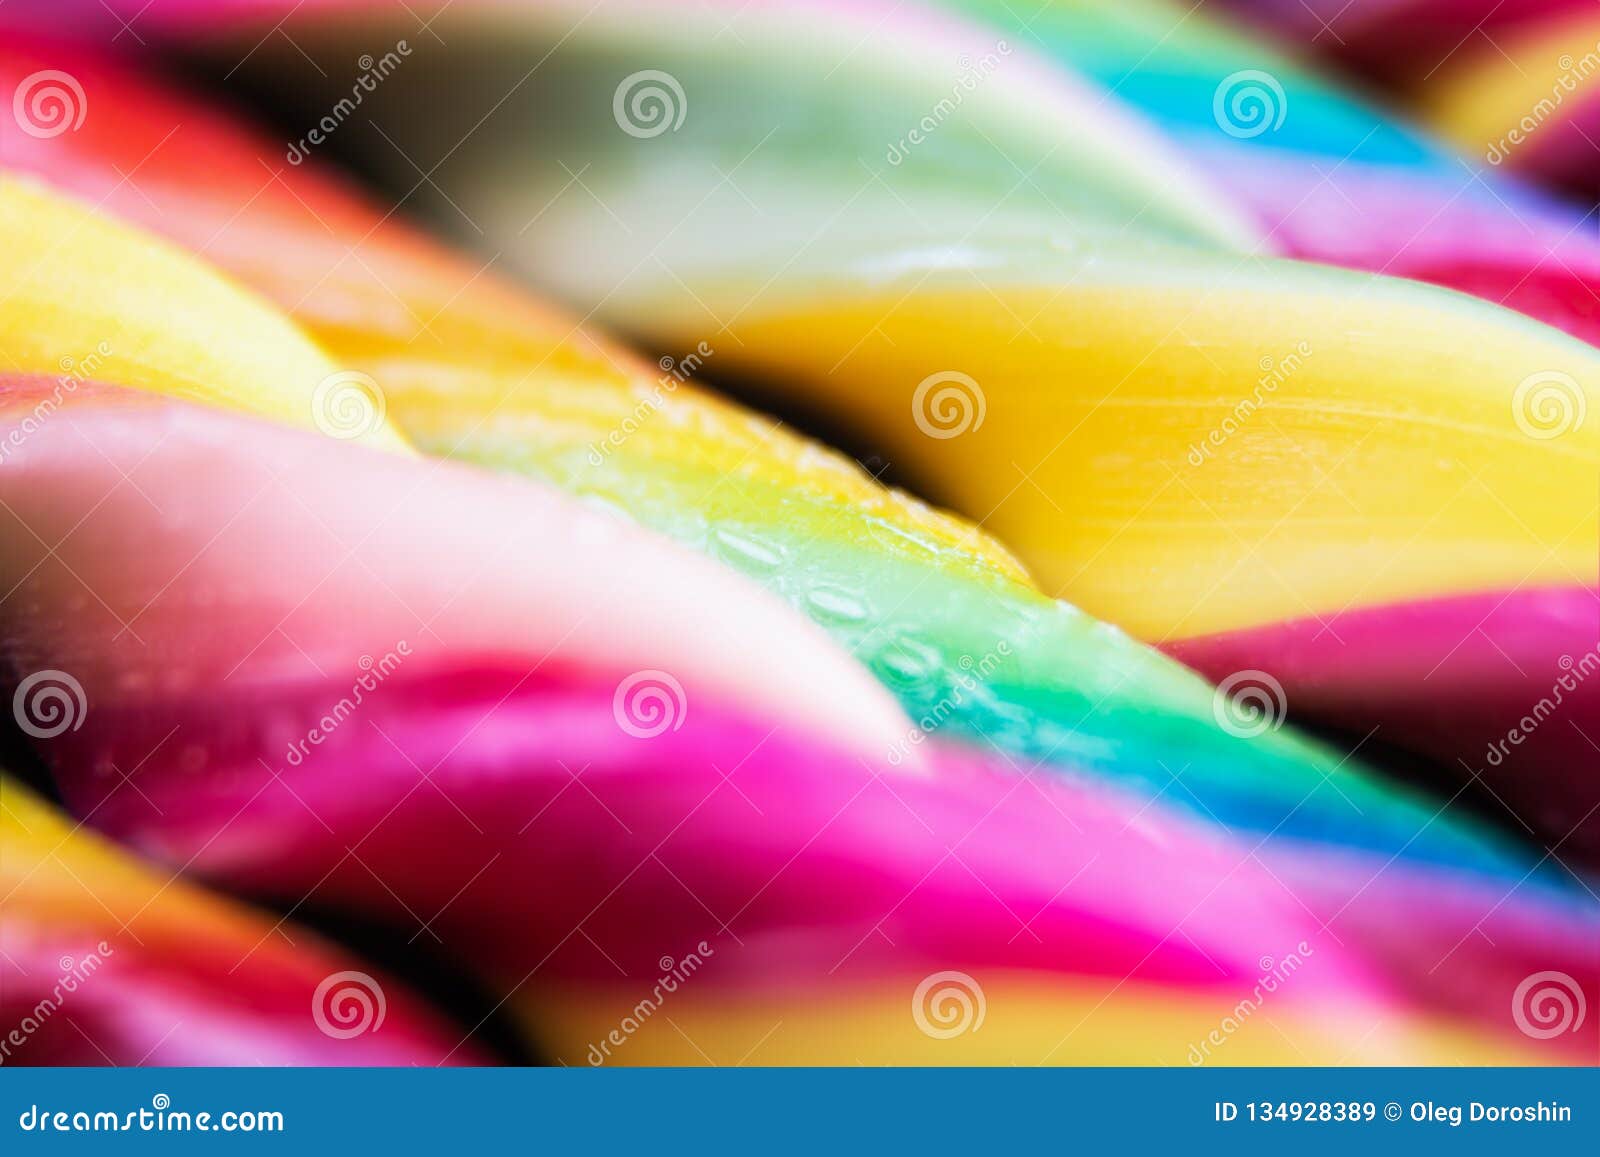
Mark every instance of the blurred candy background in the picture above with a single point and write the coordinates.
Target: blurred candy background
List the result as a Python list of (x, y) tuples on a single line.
[(698, 532)]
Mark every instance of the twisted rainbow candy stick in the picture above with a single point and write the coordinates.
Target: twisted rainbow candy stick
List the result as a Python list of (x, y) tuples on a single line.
[(1468, 679), (941, 615), (575, 839), (1404, 536), (446, 720)]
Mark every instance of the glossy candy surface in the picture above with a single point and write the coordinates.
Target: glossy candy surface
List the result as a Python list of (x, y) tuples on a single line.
[(394, 589), (1180, 431)]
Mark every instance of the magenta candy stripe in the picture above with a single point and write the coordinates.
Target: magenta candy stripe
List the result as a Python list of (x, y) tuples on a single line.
[(798, 836), (721, 828), (1456, 678), (1533, 259)]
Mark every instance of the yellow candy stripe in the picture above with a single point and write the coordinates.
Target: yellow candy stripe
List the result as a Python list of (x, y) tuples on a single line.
[(1027, 1019), (1332, 440), (82, 292)]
